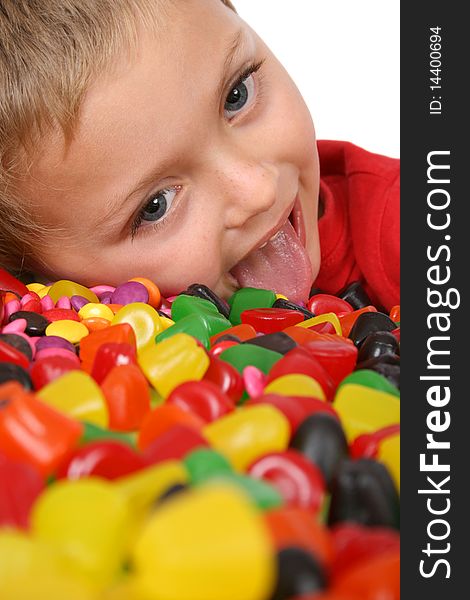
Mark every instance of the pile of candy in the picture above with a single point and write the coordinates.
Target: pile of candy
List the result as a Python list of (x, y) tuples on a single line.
[(187, 448)]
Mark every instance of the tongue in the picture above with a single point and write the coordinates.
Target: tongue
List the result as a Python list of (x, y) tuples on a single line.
[(282, 266)]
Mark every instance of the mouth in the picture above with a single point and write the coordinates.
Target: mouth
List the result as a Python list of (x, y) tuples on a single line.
[(279, 260)]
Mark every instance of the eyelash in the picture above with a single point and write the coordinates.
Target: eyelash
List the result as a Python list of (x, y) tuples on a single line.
[(254, 67)]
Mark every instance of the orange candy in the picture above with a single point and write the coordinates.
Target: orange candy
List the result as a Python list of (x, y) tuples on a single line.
[(164, 417), (373, 579), (155, 297), (243, 332), (127, 396), (395, 313), (114, 307), (347, 320), (89, 345), (95, 324)]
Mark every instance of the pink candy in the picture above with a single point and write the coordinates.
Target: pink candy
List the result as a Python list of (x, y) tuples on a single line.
[(16, 326), (254, 381)]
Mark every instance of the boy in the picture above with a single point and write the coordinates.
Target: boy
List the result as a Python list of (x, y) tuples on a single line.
[(162, 138)]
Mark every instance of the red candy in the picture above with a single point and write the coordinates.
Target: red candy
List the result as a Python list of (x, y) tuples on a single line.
[(12, 355), (49, 368), (9, 283), (336, 356), (324, 303), (174, 444), (226, 377), (60, 314), (270, 320), (164, 417), (203, 398), (110, 355), (367, 445), (89, 345)]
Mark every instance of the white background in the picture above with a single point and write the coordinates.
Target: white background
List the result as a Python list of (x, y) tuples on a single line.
[(344, 57)]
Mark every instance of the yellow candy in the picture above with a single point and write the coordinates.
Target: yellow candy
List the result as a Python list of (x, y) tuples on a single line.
[(281, 296), (93, 309), (248, 433), (88, 521), (295, 384), (389, 454), (35, 287), (30, 569), (209, 543), (364, 410), (73, 331), (64, 287), (325, 318), (144, 320), (166, 322), (77, 395), (44, 291), (173, 361)]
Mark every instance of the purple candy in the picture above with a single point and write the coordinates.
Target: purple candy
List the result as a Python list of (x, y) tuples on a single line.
[(54, 341), (131, 291), (78, 301), (105, 297)]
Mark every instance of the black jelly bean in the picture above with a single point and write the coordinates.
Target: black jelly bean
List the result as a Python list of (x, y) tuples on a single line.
[(363, 492), (19, 343), (202, 291), (377, 344), (281, 303), (228, 337), (387, 365), (298, 574), (368, 323), (12, 372), (356, 295), (314, 291), (321, 439), (277, 341), (35, 323)]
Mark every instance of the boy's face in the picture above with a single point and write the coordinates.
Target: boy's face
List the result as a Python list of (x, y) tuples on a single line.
[(179, 176)]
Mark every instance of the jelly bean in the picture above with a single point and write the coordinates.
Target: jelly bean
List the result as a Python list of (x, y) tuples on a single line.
[(325, 303), (363, 492), (247, 434), (68, 329), (321, 439), (32, 432), (292, 526), (119, 333), (202, 398), (364, 410), (173, 361), (191, 531), (374, 579), (284, 303), (367, 444), (63, 303), (202, 291), (221, 346), (377, 344), (355, 543), (204, 464), (64, 287), (47, 303), (88, 520), (184, 305), (329, 317), (301, 361), (127, 396), (298, 574), (12, 355), (299, 481), (15, 325), (301, 335), (270, 320), (295, 383), (35, 323), (11, 284), (78, 302), (175, 443), (244, 355), (47, 369), (95, 324), (389, 454), (279, 342), (347, 320), (154, 296), (143, 319), (226, 377), (368, 323), (254, 381), (194, 325), (111, 355), (395, 313), (295, 408), (18, 342), (20, 484), (54, 341), (91, 310), (9, 309), (355, 295), (12, 372), (164, 417), (249, 298), (108, 459), (241, 332), (129, 293), (372, 379), (77, 395), (387, 365)]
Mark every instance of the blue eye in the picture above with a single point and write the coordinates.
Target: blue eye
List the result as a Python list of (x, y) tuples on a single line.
[(241, 92), (155, 208)]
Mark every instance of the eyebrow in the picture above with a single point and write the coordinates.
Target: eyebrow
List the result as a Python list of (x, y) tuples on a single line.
[(232, 50)]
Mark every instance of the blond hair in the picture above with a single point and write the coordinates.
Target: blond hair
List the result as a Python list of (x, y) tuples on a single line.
[(50, 51)]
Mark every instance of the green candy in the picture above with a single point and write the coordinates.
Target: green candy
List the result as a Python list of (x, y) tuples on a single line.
[(203, 464), (371, 379), (247, 298), (264, 495), (201, 325), (244, 355), (184, 305), (95, 433)]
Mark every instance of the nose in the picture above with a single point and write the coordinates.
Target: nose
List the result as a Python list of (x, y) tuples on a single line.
[(248, 189)]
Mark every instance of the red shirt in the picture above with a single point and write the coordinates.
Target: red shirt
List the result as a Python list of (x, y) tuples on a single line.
[(360, 226)]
